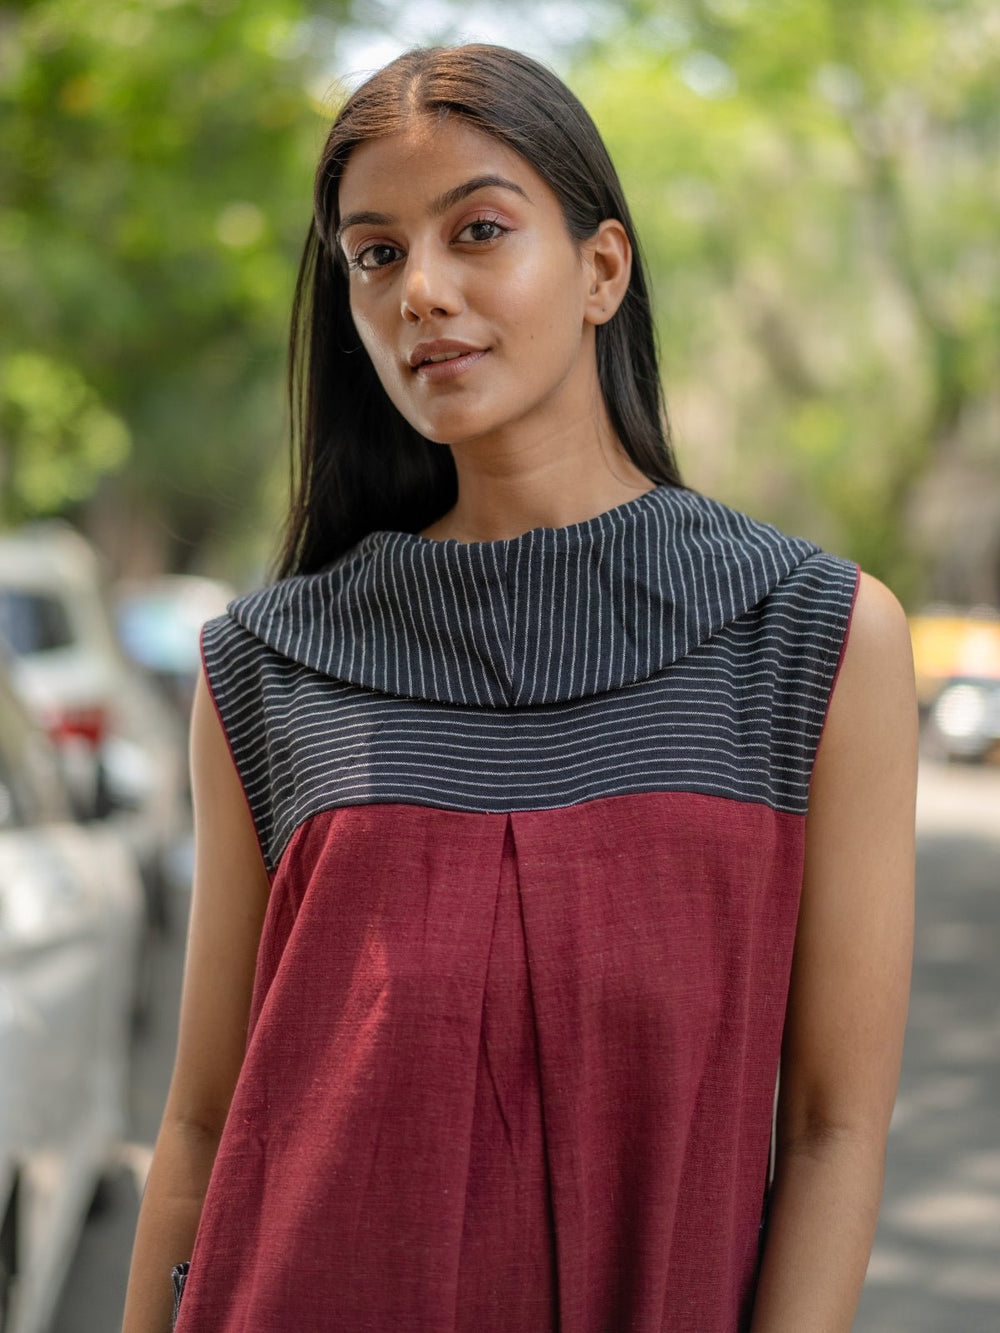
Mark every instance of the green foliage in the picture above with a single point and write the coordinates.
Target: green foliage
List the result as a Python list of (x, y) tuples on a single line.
[(60, 437), (155, 180), (815, 183), (816, 187)]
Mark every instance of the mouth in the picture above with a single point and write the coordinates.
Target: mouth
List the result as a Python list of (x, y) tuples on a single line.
[(436, 363)]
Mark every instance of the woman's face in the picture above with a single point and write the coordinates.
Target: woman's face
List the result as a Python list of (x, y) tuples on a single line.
[(458, 249)]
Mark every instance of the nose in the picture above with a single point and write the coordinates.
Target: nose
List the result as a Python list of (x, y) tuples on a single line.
[(430, 289)]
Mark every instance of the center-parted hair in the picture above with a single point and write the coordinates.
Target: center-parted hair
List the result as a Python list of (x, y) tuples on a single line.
[(357, 463)]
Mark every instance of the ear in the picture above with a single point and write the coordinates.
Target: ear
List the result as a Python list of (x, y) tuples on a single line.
[(607, 261)]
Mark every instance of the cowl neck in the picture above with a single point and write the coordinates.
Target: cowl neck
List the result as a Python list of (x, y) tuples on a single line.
[(550, 615)]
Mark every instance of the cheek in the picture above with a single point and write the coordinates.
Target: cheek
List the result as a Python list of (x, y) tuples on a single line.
[(376, 340), (373, 336), (541, 304)]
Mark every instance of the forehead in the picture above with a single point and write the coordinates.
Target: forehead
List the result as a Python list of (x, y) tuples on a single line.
[(412, 167)]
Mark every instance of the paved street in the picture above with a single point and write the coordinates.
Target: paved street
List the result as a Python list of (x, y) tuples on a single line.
[(936, 1264)]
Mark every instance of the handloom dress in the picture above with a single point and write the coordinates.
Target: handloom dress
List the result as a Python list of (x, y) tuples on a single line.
[(533, 814)]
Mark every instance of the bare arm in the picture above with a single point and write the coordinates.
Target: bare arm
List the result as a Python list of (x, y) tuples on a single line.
[(229, 900), (849, 991)]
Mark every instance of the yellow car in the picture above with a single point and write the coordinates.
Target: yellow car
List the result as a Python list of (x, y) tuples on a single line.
[(957, 662), (948, 643)]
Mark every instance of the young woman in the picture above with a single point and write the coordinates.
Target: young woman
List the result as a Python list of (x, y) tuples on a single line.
[(541, 804)]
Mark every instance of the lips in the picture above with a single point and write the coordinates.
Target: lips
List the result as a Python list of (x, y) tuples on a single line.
[(441, 350), (451, 368)]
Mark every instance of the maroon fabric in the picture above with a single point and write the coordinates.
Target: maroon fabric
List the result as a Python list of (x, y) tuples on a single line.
[(507, 1072)]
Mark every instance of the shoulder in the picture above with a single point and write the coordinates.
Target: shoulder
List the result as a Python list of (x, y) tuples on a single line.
[(879, 617), (878, 658), (873, 708), (252, 622), (818, 582)]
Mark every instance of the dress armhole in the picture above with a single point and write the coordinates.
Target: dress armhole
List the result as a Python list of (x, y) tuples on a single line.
[(806, 621), (224, 710), (840, 657)]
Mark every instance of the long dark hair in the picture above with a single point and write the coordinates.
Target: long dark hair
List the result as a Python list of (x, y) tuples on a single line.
[(357, 464)]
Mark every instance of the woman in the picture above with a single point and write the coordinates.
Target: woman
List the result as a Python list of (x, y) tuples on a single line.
[(539, 806)]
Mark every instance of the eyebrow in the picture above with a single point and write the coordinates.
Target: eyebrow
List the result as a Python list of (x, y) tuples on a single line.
[(438, 206)]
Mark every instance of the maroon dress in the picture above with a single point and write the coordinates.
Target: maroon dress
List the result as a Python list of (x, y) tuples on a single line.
[(533, 813)]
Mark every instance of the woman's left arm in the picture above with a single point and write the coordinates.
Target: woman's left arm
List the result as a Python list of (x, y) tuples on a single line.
[(850, 982)]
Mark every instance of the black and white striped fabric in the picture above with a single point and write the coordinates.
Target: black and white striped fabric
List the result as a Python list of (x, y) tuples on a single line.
[(670, 644)]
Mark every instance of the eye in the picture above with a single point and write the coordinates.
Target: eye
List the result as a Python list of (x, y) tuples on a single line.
[(374, 256), (483, 229), (380, 259)]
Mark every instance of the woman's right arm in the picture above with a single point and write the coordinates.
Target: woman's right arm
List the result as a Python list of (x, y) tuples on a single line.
[(229, 899)]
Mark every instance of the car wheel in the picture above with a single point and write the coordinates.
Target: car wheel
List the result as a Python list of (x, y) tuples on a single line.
[(156, 890), (8, 1262), (143, 995), (104, 1198)]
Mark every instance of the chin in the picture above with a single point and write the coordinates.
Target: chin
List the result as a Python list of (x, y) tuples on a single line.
[(454, 430), (435, 434)]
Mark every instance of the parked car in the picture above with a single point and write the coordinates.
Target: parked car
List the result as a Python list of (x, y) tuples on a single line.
[(965, 718), (122, 747), (951, 642), (71, 908), (159, 626), (956, 656)]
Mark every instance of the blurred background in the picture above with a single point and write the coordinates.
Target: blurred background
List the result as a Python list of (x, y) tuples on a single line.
[(817, 186)]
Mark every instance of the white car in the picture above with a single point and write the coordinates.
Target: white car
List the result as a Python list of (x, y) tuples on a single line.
[(122, 746), (71, 914), (159, 626)]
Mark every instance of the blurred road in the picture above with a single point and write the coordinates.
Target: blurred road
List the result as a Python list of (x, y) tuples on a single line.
[(936, 1263)]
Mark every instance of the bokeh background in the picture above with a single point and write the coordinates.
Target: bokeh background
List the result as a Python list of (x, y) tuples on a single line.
[(817, 186)]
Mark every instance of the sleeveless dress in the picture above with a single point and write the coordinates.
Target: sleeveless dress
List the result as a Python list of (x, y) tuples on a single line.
[(533, 814)]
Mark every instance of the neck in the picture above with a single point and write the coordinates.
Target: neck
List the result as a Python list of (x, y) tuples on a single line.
[(565, 478)]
